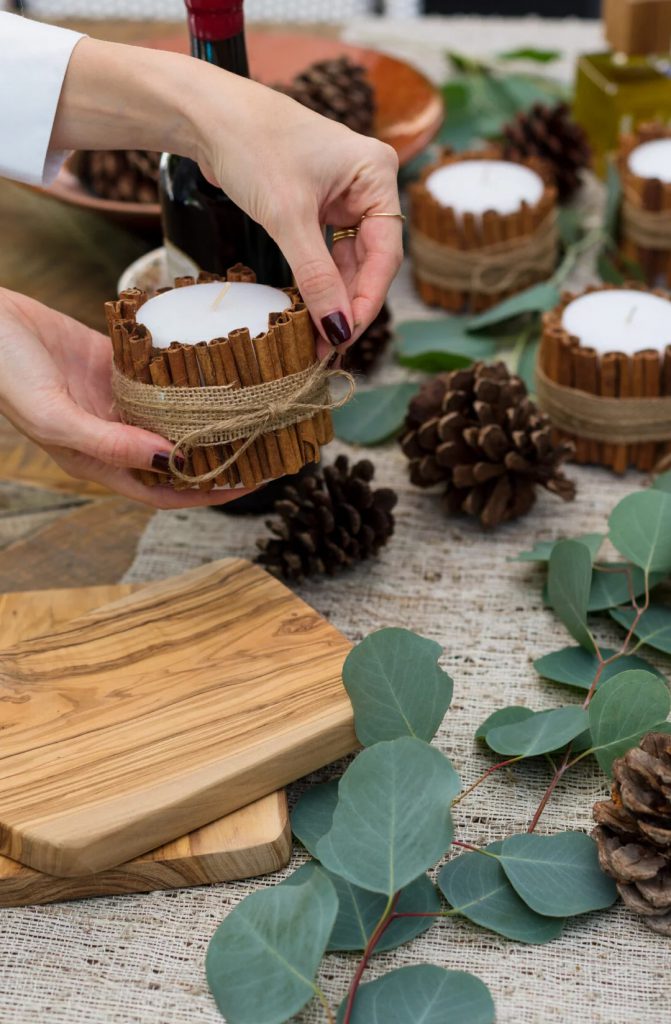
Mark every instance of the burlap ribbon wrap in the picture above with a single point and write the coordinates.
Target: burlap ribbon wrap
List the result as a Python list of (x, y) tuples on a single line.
[(649, 229), (612, 420), (207, 416), (504, 266)]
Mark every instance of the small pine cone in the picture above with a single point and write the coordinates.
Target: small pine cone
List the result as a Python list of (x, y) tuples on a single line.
[(478, 431), (129, 175), (328, 521), (550, 134), (338, 89), (362, 356), (633, 832)]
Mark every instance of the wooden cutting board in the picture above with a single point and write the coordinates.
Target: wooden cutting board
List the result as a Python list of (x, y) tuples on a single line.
[(252, 841), (159, 713)]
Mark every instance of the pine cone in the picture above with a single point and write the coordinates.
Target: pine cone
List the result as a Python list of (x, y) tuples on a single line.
[(479, 432), (127, 175), (328, 520), (633, 833), (550, 134), (337, 89), (362, 356)]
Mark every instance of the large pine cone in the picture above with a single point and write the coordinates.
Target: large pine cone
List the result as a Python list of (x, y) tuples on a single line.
[(129, 175), (550, 134), (338, 89), (633, 834), (327, 521), (362, 356), (477, 431)]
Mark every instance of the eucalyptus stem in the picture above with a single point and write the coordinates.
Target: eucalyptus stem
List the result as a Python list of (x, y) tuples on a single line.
[(484, 776), (378, 932)]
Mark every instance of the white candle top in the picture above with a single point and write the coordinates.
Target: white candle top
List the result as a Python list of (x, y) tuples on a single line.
[(474, 186), (619, 320), (200, 312), (652, 160)]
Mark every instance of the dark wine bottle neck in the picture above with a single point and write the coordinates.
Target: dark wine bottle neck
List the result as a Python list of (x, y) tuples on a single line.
[(230, 54)]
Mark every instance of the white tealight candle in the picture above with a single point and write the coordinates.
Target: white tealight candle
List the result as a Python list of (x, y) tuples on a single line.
[(475, 186), (619, 320), (652, 160), (200, 312)]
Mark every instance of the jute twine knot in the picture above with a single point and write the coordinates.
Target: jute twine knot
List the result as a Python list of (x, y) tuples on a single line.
[(501, 267), (203, 417), (649, 229)]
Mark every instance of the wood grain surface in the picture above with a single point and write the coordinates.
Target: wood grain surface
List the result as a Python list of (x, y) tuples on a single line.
[(252, 841), (160, 713)]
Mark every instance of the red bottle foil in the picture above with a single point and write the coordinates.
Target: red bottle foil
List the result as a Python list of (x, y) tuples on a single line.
[(214, 19)]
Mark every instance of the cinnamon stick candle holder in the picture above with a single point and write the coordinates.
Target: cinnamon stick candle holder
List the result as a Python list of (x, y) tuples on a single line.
[(604, 375), (644, 162), (242, 408), (481, 228)]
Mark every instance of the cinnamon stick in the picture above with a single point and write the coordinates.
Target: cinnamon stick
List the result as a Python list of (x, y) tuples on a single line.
[(199, 458), (293, 362), (240, 342), (216, 454), (307, 354), (651, 389), (586, 378), (608, 378), (247, 463), (140, 353)]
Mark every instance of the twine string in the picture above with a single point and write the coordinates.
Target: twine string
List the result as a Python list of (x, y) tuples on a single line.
[(597, 418), (203, 417), (649, 229), (490, 269)]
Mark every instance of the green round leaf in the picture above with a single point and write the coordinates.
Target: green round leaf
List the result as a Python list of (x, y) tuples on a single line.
[(663, 482), (477, 887), (313, 814), (422, 994), (610, 589), (392, 820), (504, 716), (375, 414), (435, 345), (539, 733), (623, 710), (654, 625), (263, 958), (557, 875), (542, 549), (640, 529), (577, 667), (537, 299), (396, 686), (569, 582)]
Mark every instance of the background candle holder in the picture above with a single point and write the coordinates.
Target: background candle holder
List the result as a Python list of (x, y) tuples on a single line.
[(614, 406), (467, 261), (645, 229), (234, 364)]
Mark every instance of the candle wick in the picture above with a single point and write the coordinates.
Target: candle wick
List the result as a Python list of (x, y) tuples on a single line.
[(222, 294), (631, 314)]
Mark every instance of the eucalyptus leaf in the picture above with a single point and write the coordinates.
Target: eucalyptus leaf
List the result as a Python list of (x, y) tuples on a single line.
[(539, 733), (662, 482), (569, 582), (608, 269), (542, 549), (476, 886), (577, 667), (613, 201), (640, 529), (536, 299), (570, 224), (422, 994), (396, 686), (654, 625), (623, 710), (610, 589), (313, 814), (374, 414), (392, 820), (504, 716), (526, 364), (435, 345), (278, 935), (558, 875), (530, 53)]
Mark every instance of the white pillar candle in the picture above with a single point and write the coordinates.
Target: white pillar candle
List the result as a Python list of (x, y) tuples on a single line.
[(652, 160), (619, 320), (201, 312), (475, 186)]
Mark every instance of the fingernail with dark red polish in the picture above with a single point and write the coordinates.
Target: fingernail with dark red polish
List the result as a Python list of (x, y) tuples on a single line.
[(336, 328), (161, 462)]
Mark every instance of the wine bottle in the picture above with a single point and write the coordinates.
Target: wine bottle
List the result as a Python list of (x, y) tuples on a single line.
[(203, 228)]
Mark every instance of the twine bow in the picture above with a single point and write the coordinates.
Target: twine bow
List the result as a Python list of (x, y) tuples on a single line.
[(207, 416)]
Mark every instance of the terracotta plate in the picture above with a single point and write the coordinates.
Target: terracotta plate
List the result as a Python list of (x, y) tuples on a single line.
[(409, 107)]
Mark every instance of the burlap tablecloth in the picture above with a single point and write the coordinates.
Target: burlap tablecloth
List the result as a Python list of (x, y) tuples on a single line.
[(140, 959)]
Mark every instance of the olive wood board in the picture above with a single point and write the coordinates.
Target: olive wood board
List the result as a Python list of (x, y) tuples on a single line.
[(157, 714), (252, 841)]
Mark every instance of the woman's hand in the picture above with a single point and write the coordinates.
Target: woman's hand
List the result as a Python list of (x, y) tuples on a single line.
[(55, 388)]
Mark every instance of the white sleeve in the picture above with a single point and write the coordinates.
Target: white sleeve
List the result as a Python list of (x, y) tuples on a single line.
[(33, 60)]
